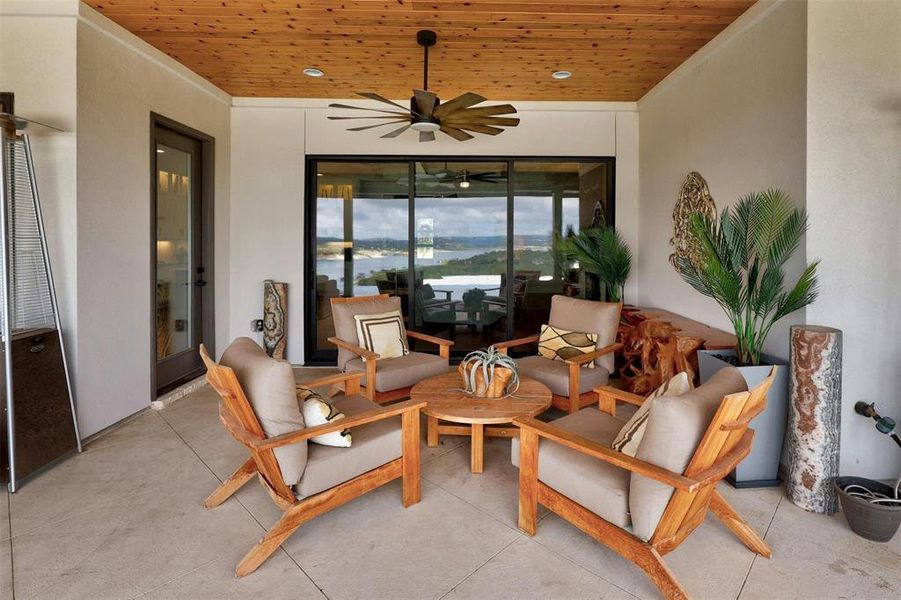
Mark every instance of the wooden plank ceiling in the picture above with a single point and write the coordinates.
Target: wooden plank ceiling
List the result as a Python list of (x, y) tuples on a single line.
[(502, 49)]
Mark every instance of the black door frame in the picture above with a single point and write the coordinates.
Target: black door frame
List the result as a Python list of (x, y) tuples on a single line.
[(310, 195), (207, 200)]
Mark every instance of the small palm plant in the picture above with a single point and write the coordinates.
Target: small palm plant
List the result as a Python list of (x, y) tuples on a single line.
[(601, 251), (739, 263)]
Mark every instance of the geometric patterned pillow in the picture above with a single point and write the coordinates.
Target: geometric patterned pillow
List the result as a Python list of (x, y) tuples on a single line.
[(560, 344), (383, 334), (629, 437), (317, 411)]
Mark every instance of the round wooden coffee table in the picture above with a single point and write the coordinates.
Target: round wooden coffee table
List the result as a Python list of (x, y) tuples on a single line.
[(447, 402)]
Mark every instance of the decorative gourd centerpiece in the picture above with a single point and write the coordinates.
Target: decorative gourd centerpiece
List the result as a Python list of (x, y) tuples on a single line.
[(489, 374)]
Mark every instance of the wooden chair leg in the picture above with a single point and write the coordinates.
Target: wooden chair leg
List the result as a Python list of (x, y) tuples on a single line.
[(738, 526), (574, 386), (528, 481), (652, 563), (370, 379), (411, 462), (293, 518), (242, 475)]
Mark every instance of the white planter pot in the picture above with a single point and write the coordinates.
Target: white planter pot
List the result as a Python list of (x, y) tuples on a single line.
[(761, 467)]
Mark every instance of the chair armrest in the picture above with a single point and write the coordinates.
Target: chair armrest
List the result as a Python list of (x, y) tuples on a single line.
[(514, 343), (607, 454), (429, 338), (447, 293), (726, 463), (358, 350), (586, 358), (331, 380), (618, 395), (369, 416)]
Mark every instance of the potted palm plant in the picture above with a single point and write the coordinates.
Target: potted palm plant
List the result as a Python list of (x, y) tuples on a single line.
[(739, 260), (601, 251)]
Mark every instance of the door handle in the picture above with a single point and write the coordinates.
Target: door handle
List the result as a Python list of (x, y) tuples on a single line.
[(200, 283)]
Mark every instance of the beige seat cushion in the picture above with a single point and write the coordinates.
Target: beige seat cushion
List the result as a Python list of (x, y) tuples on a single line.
[(374, 445), (269, 386), (346, 326), (598, 486), (674, 429), (588, 316), (555, 374), (403, 371)]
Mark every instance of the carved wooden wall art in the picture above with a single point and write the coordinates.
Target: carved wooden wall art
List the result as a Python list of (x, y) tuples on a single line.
[(693, 197)]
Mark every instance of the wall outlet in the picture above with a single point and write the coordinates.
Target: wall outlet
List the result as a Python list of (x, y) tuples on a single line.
[(256, 325)]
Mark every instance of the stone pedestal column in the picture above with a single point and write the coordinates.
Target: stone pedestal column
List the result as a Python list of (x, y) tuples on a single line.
[(814, 419), (275, 317)]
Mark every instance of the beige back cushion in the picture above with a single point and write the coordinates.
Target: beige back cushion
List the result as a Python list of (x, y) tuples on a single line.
[(674, 429), (346, 326), (588, 316), (269, 386)]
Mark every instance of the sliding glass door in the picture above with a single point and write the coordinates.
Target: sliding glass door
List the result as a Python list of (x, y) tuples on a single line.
[(467, 244), (461, 251)]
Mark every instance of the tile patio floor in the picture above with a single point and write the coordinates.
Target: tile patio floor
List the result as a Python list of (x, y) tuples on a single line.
[(124, 520)]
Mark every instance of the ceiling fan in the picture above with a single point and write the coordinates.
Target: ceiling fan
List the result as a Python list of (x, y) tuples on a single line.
[(427, 114)]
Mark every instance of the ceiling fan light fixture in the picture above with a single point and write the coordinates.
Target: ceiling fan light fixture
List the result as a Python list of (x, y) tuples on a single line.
[(464, 184), (425, 124), (313, 72), (561, 74)]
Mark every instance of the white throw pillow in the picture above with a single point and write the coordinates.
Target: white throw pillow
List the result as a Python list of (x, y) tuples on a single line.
[(383, 334), (317, 411), (628, 438)]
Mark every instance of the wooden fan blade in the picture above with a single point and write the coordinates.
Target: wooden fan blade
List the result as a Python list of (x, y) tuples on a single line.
[(462, 101), (457, 134), (397, 132), (426, 136), (480, 129), (381, 110), (483, 111), (497, 121), (374, 96), (376, 125), (426, 101)]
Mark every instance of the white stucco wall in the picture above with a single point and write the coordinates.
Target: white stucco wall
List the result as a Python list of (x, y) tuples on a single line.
[(271, 138), (734, 112), (854, 199), (121, 80)]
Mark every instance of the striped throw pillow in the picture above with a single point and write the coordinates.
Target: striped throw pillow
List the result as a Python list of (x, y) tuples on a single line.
[(629, 437), (383, 334), (560, 344)]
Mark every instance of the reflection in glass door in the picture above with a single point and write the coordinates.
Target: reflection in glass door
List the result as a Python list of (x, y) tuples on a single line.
[(179, 266), (460, 263), (361, 236)]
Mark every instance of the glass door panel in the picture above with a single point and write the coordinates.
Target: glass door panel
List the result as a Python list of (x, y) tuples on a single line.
[(174, 252), (460, 257), (362, 235)]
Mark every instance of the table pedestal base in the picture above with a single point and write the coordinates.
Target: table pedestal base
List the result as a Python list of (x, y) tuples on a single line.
[(476, 432)]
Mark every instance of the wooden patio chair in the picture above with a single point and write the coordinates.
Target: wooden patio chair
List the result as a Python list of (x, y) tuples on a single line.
[(576, 474), (384, 379), (570, 381), (239, 418)]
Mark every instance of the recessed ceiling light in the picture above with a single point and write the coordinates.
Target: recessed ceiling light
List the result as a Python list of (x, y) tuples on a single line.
[(561, 74), (313, 72)]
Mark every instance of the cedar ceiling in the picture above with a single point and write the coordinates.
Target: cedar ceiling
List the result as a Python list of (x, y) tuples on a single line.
[(502, 49)]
